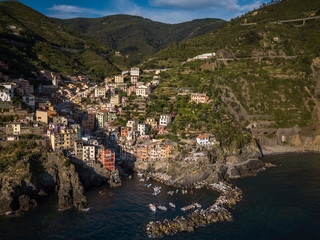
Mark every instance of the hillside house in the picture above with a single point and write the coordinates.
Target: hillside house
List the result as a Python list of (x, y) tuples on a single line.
[(151, 122), (142, 128), (119, 79), (89, 153), (165, 120), (100, 92), (203, 140), (199, 97), (6, 92), (143, 91)]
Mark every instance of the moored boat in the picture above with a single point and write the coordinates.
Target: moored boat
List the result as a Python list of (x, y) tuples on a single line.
[(152, 207), (172, 205), (163, 208)]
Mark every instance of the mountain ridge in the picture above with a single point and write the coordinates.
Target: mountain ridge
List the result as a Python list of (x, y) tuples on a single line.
[(136, 36), (31, 41)]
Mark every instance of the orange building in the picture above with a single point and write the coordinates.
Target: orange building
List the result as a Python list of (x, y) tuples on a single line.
[(141, 153), (107, 158), (124, 131)]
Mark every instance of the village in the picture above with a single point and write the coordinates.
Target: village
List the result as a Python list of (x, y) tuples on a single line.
[(85, 119)]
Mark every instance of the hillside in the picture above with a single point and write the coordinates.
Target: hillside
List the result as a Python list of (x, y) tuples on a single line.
[(265, 72), (136, 36), (31, 41)]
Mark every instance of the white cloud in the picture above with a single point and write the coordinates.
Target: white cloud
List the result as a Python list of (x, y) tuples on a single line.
[(181, 10), (230, 5), (70, 11)]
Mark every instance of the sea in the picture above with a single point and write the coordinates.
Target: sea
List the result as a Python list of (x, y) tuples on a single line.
[(279, 203)]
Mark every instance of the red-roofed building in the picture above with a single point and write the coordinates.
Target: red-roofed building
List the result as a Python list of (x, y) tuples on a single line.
[(203, 140)]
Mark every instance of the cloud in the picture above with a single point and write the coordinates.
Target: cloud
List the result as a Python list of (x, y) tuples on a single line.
[(230, 5), (70, 11), (167, 11)]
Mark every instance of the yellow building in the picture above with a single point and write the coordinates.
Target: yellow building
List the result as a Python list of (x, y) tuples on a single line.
[(42, 116), (152, 122), (118, 79), (63, 140)]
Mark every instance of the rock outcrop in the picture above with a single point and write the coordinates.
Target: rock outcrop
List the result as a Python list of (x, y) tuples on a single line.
[(22, 185)]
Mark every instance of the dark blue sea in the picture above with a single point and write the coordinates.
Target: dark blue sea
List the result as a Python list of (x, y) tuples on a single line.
[(279, 203)]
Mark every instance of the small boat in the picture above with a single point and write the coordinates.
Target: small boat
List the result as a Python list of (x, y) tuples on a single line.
[(149, 185), (197, 205), (156, 192), (141, 180), (172, 205), (170, 193), (184, 209), (139, 174), (177, 191), (152, 207), (163, 208), (191, 192), (147, 179)]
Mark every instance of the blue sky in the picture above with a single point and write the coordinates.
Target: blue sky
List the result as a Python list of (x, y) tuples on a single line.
[(168, 11)]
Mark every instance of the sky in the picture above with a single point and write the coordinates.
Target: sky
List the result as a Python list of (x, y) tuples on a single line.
[(167, 11)]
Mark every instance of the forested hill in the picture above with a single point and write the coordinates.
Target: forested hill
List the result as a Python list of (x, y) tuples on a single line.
[(30, 41), (139, 37), (264, 70)]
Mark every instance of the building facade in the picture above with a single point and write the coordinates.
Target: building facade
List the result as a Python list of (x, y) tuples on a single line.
[(107, 158), (199, 97), (165, 120)]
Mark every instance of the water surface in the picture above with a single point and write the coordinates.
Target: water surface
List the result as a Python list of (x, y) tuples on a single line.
[(279, 203)]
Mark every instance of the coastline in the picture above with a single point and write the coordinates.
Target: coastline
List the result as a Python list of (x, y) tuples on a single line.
[(278, 150)]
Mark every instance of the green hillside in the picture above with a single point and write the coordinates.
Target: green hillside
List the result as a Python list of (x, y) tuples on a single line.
[(262, 72), (136, 36), (31, 41)]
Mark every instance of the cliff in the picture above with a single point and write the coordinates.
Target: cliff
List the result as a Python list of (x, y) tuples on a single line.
[(227, 164), (37, 175)]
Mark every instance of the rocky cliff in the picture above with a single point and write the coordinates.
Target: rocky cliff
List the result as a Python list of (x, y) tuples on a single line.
[(226, 164), (37, 175)]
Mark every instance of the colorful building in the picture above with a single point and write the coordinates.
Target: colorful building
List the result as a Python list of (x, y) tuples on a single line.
[(107, 158)]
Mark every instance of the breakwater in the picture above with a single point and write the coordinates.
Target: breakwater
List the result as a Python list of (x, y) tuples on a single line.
[(217, 212)]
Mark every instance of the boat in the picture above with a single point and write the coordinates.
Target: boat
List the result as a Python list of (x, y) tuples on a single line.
[(149, 185), (141, 180), (170, 193), (156, 192), (147, 179), (163, 208), (177, 191), (139, 174), (152, 207), (172, 205), (197, 205)]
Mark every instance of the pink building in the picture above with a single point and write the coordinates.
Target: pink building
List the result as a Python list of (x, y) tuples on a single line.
[(130, 90), (134, 79)]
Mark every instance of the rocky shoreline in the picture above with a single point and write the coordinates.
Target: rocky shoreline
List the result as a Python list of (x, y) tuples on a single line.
[(23, 185), (217, 212)]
